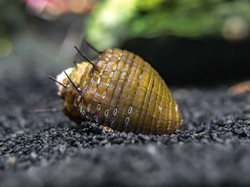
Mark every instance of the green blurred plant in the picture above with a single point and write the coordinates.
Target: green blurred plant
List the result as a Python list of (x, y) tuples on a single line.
[(114, 21)]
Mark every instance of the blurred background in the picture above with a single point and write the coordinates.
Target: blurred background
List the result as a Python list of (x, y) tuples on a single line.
[(194, 42)]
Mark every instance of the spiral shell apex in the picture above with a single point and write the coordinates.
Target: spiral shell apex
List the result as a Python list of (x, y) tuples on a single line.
[(122, 91)]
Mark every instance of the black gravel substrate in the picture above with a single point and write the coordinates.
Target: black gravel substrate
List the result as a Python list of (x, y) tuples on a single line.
[(47, 149)]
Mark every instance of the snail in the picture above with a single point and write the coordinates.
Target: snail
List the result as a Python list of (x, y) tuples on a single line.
[(121, 91)]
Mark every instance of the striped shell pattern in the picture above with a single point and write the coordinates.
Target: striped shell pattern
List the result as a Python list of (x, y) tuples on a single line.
[(120, 91)]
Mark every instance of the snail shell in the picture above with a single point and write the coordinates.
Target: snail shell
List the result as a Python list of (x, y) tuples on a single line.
[(120, 91)]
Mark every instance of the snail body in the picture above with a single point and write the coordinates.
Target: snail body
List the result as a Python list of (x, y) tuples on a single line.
[(122, 91)]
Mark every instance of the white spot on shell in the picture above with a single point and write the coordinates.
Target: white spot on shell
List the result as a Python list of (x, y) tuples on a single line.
[(92, 80), (130, 109), (78, 99), (82, 111), (176, 109), (160, 108), (104, 95), (99, 106), (106, 113), (88, 108), (127, 121), (84, 84), (111, 74), (114, 67), (108, 82), (114, 111), (75, 103), (96, 118), (98, 80)]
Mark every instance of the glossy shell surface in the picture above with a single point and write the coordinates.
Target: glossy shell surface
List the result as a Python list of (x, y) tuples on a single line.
[(123, 92)]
